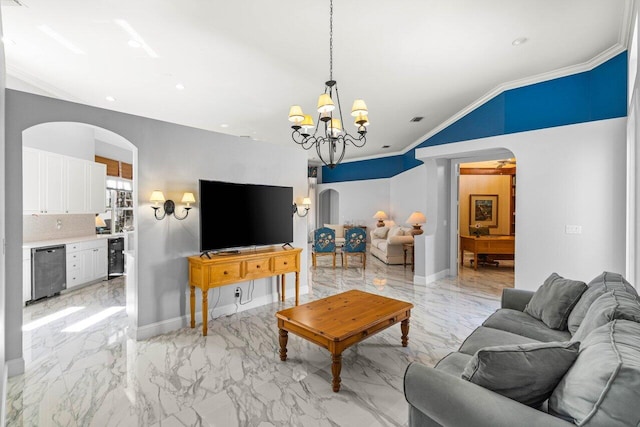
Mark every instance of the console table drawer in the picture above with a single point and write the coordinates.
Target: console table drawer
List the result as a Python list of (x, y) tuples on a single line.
[(285, 264), (225, 273), (257, 267)]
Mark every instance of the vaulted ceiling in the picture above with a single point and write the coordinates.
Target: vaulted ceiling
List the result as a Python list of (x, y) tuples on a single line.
[(241, 64)]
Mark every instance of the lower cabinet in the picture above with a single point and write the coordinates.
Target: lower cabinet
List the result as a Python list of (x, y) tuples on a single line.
[(86, 262), (26, 275)]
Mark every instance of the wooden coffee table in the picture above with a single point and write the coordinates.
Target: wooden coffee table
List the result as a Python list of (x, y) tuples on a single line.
[(339, 321)]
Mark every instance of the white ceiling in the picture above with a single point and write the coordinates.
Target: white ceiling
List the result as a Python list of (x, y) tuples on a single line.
[(243, 63)]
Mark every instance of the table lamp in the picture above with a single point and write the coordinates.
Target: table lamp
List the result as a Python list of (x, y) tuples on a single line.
[(415, 219), (380, 216)]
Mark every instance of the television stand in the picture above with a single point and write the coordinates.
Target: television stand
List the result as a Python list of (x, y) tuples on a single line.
[(229, 252), (287, 244), (220, 270)]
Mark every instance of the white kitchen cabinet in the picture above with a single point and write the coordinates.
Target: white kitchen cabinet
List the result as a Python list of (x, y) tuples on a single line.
[(76, 182), (53, 184), (86, 262), (42, 182), (96, 189), (26, 275)]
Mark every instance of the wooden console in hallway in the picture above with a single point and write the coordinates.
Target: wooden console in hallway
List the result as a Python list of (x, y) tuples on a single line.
[(498, 247)]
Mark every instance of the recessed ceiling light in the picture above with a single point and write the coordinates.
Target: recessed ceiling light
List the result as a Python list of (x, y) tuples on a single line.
[(110, 98), (224, 125), (386, 146), (134, 43), (60, 39), (416, 119), (180, 86), (519, 41)]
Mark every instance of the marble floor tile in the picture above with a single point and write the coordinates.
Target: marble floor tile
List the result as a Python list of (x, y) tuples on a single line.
[(80, 374)]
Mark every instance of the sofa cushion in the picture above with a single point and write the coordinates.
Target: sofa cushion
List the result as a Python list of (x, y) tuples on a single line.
[(527, 373), (520, 323), (607, 307), (453, 363), (485, 337), (603, 283), (380, 232), (602, 388), (338, 228), (554, 300), (396, 230)]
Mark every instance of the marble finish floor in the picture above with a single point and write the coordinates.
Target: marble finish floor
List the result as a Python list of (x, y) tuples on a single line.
[(83, 370)]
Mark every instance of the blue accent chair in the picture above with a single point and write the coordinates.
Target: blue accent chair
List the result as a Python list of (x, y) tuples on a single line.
[(355, 243), (324, 243)]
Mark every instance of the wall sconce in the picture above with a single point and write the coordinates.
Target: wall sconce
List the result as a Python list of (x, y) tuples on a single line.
[(415, 219), (169, 207), (306, 203), (380, 216)]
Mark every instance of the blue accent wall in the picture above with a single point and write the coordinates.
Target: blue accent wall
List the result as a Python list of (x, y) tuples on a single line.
[(597, 94)]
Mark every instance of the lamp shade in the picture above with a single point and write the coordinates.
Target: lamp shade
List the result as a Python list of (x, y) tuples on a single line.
[(295, 114), (306, 201), (307, 123), (188, 198), (325, 103), (359, 108), (362, 120), (416, 218), (100, 222), (156, 196), (380, 215)]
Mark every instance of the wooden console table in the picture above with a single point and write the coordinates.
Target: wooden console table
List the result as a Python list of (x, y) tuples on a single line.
[(502, 247), (224, 269)]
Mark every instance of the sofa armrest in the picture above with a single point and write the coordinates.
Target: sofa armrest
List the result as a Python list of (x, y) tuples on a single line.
[(515, 299), (399, 240), (454, 402)]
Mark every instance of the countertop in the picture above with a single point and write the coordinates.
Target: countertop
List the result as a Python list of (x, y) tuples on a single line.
[(42, 243)]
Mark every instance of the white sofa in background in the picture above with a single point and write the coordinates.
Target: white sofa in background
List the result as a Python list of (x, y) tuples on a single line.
[(386, 243), (339, 229)]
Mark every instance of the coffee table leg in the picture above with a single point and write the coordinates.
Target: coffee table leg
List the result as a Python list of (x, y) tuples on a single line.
[(404, 326), (284, 337), (336, 367)]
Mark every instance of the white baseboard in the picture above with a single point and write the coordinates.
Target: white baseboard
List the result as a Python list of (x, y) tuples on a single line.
[(15, 367), (422, 280), (3, 394), (170, 325)]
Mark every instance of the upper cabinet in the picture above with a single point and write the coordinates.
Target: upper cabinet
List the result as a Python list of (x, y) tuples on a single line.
[(116, 168), (54, 184)]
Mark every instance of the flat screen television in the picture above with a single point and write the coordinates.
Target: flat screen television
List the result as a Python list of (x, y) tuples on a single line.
[(236, 215)]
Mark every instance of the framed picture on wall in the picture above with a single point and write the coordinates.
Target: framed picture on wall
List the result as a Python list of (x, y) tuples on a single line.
[(483, 210)]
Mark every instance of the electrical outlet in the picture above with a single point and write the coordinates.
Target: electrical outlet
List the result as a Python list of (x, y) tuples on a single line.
[(573, 229), (238, 291)]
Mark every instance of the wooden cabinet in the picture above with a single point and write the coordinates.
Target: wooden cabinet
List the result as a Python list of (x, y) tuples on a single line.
[(116, 168), (86, 262), (54, 184), (223, 269)]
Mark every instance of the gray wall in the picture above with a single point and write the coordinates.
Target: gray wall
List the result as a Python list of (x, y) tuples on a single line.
[(3, 270), (172, 158)]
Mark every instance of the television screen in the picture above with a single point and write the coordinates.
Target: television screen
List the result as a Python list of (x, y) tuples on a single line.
[(239, 215)]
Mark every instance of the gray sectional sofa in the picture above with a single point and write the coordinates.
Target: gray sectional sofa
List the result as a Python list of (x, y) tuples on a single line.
[(516, 370)]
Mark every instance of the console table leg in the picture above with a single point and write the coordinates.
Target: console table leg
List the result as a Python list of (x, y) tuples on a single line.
[(404, 327), (283, 286), (284, 337), (205, 308), (193, 306), (336, 367), (297, 287)]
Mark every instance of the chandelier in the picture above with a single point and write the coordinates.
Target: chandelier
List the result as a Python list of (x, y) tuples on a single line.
[(329, 137)]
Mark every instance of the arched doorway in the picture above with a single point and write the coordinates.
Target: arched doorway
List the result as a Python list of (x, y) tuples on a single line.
[(328, 207), (83, 142)]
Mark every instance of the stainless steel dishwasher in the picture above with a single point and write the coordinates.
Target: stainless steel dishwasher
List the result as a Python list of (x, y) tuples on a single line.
[(48, 271)]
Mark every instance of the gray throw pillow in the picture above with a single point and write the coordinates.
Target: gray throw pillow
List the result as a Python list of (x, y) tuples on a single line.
[(603, 283), (554, 300), (527, 373), (602, 388), (609, 306)]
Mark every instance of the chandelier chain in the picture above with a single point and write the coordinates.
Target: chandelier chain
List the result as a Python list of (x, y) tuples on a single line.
[(331, 40)]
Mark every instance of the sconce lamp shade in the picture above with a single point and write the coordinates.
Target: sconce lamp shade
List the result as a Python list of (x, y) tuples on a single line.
[(188, 198), (359, 108), (295, 114), (415, 219), (306, 201), (325, 103), (380, 216), (157, 197)]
